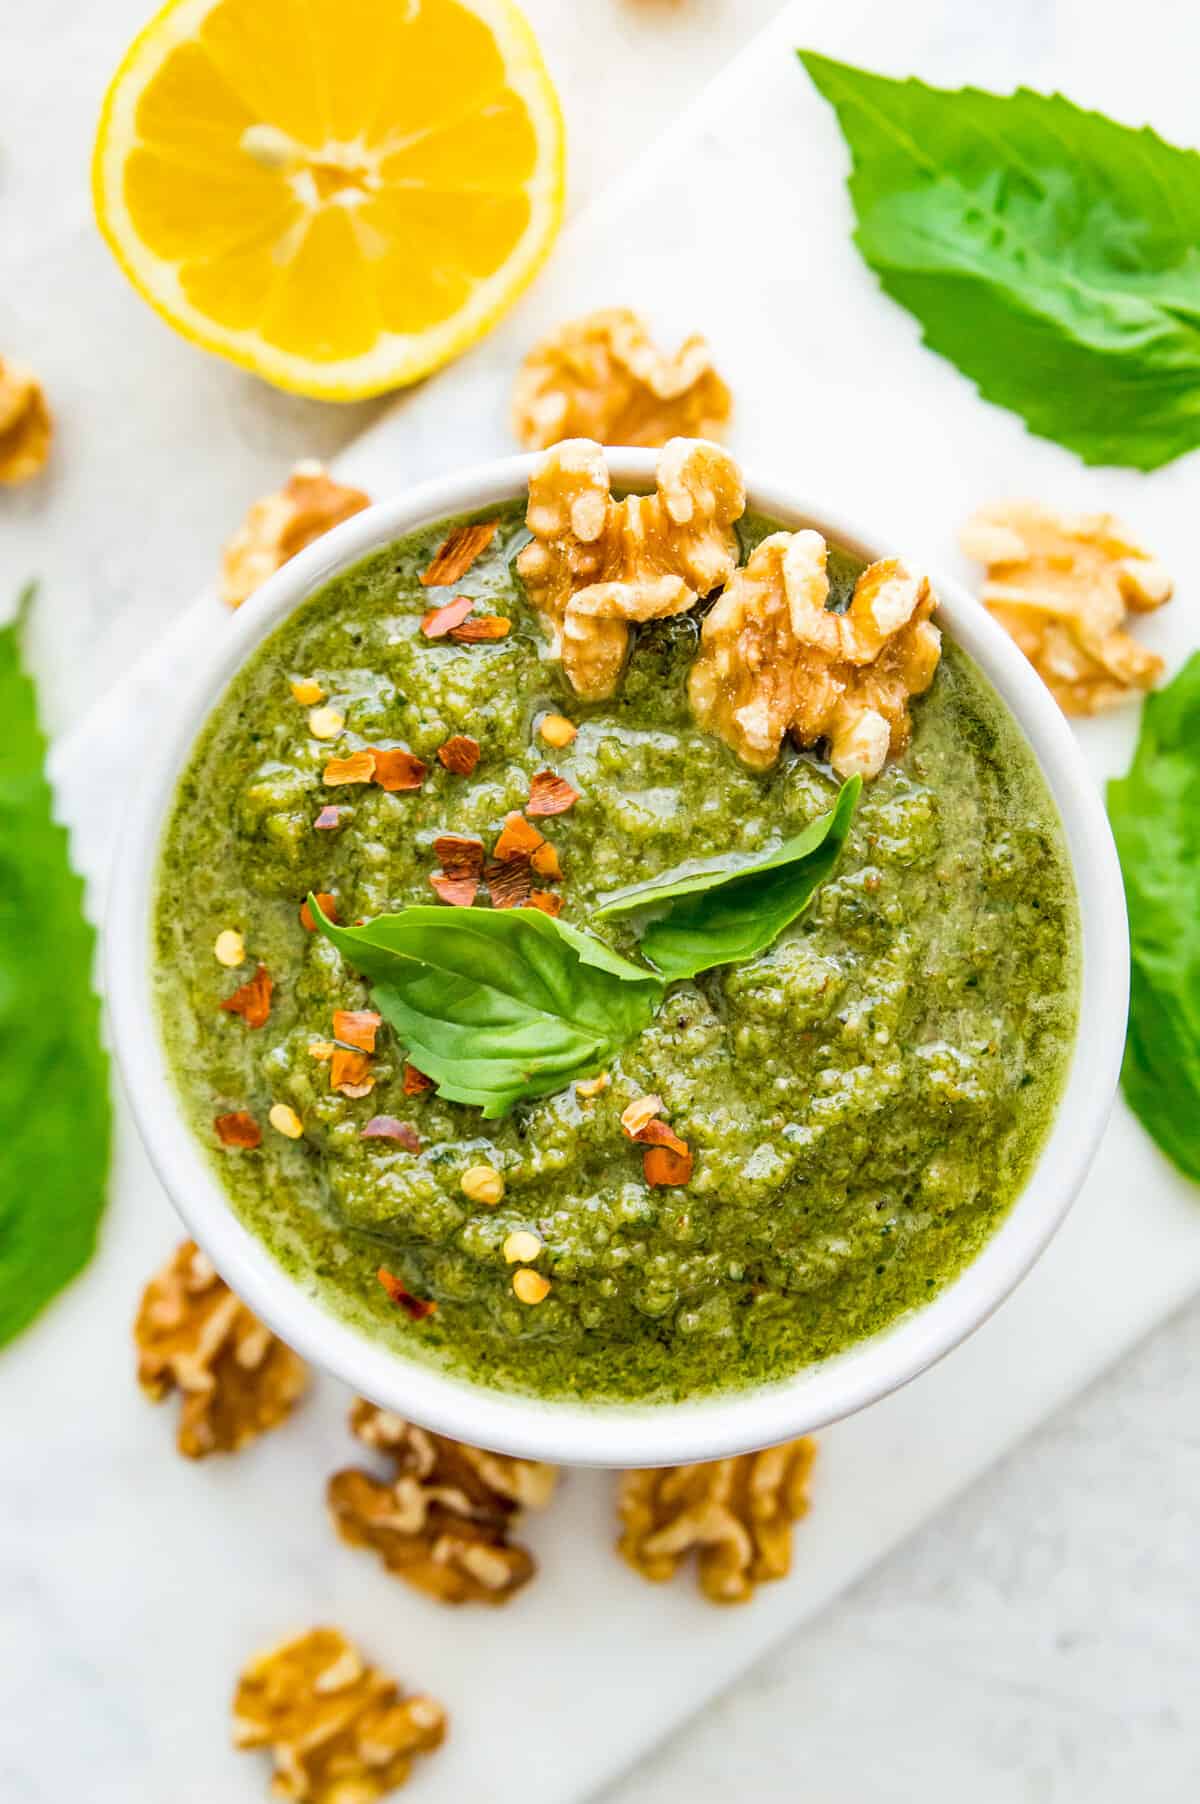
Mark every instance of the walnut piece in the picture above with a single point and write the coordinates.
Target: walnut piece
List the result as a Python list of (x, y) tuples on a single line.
[(1061, 584), (280, 525), (737, 1515), (602, 377), (192, 1333), (25, 426), (595, 564), (773, 659), (341, 1732), (442, 1520)]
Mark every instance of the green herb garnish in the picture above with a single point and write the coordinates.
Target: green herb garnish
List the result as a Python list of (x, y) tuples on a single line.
[(497, 1004), (1048, 252), (724, 915), (55, 1116), (1155, 814)]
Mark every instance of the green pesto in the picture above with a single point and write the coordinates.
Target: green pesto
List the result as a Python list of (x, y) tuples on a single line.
[(864, 1100)]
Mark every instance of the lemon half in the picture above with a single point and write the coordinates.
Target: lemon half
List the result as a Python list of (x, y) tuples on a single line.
[(340, 195)]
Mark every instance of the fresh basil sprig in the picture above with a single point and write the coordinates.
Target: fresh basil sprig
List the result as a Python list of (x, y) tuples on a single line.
[(1155, 815), (497, 1004), (724, 915), (1048, 252)]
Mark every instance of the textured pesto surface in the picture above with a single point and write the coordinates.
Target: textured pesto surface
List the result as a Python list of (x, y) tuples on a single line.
[(864, 1100)]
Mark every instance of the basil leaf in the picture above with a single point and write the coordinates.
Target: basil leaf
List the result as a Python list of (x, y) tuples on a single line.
[(497, 1004), (1046, 251), (1155, 815), (722, 916), (55, 1116)]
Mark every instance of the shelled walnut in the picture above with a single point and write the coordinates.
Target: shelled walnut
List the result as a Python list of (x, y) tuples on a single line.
[(735, 1514), (774, 659), (442, 1520), (193, 1334), (25, 425), (279, 525), (1061, 585), (340, 1732), (596, 564), (602, 377)]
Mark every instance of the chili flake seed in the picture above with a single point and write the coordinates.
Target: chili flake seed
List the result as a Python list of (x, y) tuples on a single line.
[(229, 948), (482, 1184), (328, 906), (239, 1129), (481, 628), (557, 730), (639, 1113), (285, 1121), (415, 1082), (416, 1307), (325, 723), (459, 755), (440, 622), (456, 554), (308, 692), (522, 1247), (593, 1086), (386, 1127), (550, 794), (396, 768), (359, 767), (253, 1000), (530, 1286), (321, 1049), (328, 820)]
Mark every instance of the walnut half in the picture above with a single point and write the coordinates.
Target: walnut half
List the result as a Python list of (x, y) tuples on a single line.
[(1060, 585), (603, 377), (596, 564), (341, 1732), (442, 1520), (773, 659), (309, 504), (736, 1515), (25, 425), (192, 1333)]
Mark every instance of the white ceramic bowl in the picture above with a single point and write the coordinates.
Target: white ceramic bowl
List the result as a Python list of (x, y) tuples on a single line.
[(629, 1434)]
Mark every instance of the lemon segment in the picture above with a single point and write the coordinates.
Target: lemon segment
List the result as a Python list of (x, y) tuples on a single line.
[(337, 194)]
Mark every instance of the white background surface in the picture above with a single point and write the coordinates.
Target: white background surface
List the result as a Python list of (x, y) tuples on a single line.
[(1038, 1642)]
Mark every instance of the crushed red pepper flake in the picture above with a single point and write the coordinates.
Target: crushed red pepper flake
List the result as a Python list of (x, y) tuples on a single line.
[(518, 838), (460, 754), (416, 1307), (386, 1127), (664, 1167), (238, 1129), (397, 769), (440, 622), (509, 882), (455, 892), (461, 859), (456, 554), (350, 1073), (415, 1082), (359, 767), (326, 903), (253, 1000), (356, 1027), (550, 794), (544, 862), (480, 628), (546, 900), (327, 820)]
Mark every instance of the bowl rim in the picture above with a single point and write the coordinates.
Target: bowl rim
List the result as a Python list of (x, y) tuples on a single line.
[(565, 1430)]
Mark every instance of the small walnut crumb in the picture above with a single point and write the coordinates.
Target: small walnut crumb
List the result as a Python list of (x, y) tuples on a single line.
[(280, 525), (602, 377), (639, 1113), (285, 1121), (1061, 585), (307, 691), (443, 1518), (326, 723), (593, 1086), (340, 1732), (482, 1184), (521, 1247), (530, 1286), (229, 948), (774, 659), (25, 425), (595, 565), (737, 1515), (557, 730), (193, 1334)]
